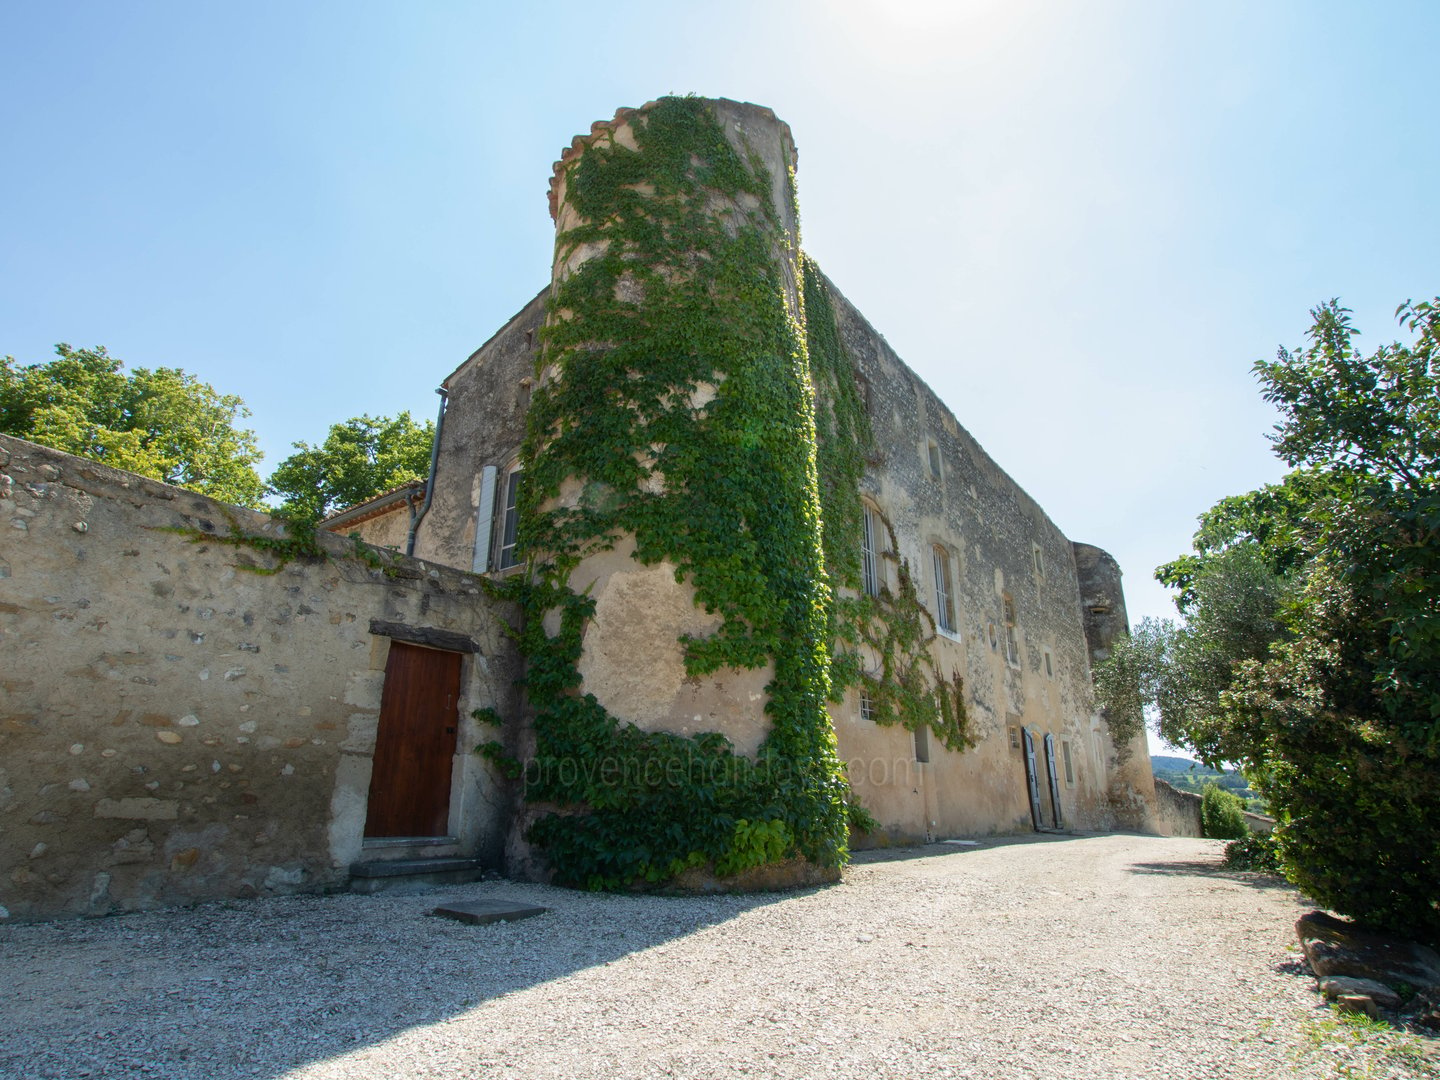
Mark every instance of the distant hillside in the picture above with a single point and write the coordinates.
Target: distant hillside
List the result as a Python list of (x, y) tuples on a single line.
[(1190, 775), (1160, 762)]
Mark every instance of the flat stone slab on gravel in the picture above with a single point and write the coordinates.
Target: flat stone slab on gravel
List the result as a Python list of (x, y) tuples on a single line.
[(481, 912)]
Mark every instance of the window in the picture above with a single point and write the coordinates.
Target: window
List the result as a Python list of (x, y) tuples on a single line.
[(1049, 665), (869, 556), (1012, 644), (867, 707), (922, 745), (944, 602), (1069, 767), (506, 555), (934, 453), (1038, 556), (994, 640)]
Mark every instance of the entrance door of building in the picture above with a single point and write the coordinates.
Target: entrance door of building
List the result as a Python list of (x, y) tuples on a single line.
[(1055, 813), (415, 743), (1032, 779)]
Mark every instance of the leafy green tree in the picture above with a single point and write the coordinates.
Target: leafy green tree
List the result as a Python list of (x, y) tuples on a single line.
[(1222, 815), (1234, 601), (358, 460), (160, 422), (1312, 660)]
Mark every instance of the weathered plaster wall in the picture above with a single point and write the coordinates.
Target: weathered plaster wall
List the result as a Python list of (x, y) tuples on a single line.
[(994, 534), (176, 722)]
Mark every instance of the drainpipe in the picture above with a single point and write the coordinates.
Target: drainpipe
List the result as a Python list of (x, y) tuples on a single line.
[(416, 516)]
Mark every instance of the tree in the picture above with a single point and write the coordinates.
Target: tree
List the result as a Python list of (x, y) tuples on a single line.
[(1324, 685), (161, 422), (358, 460)]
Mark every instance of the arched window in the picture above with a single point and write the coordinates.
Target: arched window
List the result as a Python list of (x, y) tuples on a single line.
[(944, 591)]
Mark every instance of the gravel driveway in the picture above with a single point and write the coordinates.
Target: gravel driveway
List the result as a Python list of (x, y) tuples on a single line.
[(1064, 957)]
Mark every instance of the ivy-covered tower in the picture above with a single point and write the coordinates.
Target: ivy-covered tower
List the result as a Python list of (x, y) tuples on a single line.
[(676, 602)]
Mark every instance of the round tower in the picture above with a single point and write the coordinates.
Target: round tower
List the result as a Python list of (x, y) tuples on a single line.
[(676, 640)]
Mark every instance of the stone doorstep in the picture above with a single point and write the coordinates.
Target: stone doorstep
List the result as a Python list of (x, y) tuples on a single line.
[(481, 912), (411, 875), (388, 848), (384, 868)]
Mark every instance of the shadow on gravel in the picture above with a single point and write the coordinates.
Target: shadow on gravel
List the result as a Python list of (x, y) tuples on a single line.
[(256, 988), (1212, 869), (943, 848)]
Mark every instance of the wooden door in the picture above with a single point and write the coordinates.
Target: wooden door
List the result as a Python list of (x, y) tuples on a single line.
[(415, 743)]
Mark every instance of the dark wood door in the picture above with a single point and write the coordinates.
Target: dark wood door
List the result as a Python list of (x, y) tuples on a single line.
[(415, 743)]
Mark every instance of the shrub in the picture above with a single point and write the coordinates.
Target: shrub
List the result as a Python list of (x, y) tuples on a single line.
[(1252, 852), (1222, 815)]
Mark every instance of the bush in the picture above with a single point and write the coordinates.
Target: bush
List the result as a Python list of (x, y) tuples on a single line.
[(1222, 815), (1252, 852)]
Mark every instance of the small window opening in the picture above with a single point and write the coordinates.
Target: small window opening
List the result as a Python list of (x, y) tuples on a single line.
[(1039, 558), (1069, 768), (922, 745), (1014, 737), (867, 708), (1049, 666), (934, 452), (994, 639)]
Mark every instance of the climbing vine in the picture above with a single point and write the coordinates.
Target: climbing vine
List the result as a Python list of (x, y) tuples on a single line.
[(882, 643), (675, 406)]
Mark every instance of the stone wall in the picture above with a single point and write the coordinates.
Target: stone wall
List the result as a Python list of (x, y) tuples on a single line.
[(1179, 811), (184, 717), (1015, 577)]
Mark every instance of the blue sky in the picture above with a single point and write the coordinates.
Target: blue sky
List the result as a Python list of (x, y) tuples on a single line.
[(1081, 223)]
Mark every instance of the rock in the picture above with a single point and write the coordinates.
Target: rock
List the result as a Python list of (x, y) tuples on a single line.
[(1337, 986), (1424, 1008), (1335, 947), (1357, 1003)]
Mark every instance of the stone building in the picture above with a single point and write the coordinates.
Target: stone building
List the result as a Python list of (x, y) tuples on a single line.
[(705, 583), (1011, 606)]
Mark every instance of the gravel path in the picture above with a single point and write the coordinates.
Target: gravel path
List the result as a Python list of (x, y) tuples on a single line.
[(1066, 957)]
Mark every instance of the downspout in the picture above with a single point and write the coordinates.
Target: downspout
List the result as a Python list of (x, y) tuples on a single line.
[(416, 516)]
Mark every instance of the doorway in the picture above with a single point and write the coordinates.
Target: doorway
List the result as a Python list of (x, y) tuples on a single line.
[(414, 743)]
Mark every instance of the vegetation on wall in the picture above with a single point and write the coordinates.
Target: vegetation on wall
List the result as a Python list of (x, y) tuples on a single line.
[(677, 408), (1312, 643)]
